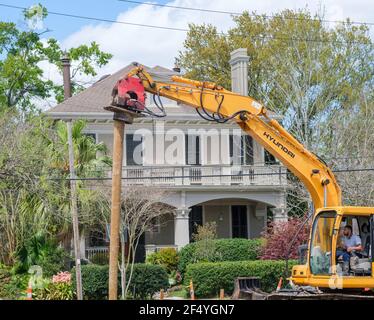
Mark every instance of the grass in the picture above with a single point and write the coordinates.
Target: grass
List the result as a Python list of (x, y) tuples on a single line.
[(179, 294)]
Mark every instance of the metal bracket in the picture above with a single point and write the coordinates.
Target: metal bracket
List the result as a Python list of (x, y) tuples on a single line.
[(123, 115)]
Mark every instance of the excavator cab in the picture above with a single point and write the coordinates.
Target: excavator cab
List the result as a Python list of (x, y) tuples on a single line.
[(324, 268)]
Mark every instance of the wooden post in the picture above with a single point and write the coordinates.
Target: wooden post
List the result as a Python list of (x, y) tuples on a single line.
[(120, 117), (115, 219), (192, 291), (222, 294), (74, 213), (162, 294)]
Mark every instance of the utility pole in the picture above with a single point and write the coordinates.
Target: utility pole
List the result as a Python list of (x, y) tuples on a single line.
[(73, 188), (115, 218), (121, 117)]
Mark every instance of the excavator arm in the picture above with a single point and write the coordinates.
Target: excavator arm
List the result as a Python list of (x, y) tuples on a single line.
[(215, 102)]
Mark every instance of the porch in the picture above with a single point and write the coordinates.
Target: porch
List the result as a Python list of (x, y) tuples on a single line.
[(234, 218)]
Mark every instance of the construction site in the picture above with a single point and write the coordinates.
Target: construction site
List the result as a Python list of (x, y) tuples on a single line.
[(237, 166)]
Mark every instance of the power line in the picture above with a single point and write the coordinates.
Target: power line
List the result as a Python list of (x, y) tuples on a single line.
[(264, 37), (240, 13), (181, 8), (98, 19)]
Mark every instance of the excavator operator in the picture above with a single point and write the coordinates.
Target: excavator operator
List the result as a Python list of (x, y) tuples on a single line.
[(350, 243)]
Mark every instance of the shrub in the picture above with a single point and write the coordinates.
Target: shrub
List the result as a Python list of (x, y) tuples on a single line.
[(146, 280), (59, 289), (95, 279), (5, 279), (54, 262), (43, 252), (279, 237), (168, 258), (12, 286), (226, 250), (205, 248), (186, 256), (209, 278), (206, 232)]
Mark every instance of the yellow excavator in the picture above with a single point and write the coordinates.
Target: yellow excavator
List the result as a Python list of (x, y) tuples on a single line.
[(323, 268)]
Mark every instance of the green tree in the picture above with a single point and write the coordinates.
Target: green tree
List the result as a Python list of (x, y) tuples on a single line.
[(299, 67), (34, 190), (307, 72), (22, 82), (90, 161), (23, 207), (88, 154)]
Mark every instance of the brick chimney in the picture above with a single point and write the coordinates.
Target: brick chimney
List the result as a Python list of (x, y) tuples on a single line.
[(239, 71), (66, 75)]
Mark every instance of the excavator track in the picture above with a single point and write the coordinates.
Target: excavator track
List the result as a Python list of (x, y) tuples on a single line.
[(317, 296), (248, 288)]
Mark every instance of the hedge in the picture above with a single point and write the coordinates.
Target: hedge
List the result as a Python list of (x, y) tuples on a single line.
[(95, 280), (210, 277), (146, 280), (167, 257), (227, 249)]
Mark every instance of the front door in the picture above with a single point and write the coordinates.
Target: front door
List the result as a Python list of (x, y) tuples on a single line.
[(239, 222), (140, 250)]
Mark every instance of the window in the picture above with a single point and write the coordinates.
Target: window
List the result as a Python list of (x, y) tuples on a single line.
[(270, 159), (134, 153), (97, 238), (193, 150), (196, 219), (247, 149), (321, 246), (239, 222), (156, 225), (241, 149)]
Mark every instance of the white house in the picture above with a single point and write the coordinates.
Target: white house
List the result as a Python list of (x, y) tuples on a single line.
[(213, 173)]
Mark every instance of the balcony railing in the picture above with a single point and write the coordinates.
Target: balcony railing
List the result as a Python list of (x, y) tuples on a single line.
[(97, 254), (205, 176)]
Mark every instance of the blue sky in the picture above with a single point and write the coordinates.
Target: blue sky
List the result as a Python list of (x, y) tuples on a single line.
[(62, 26)]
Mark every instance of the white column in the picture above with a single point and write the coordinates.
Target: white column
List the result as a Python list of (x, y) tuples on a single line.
[(279, 214), (181, 227), (258, 154), (225, 157)]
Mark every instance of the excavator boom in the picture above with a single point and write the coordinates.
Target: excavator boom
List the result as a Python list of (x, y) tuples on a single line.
[(253, 118)]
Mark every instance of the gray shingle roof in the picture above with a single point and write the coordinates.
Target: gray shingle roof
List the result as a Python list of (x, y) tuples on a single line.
[(93, 99), (96, 97)]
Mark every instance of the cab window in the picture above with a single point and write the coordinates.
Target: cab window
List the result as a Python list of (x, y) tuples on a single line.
[(321, 246)]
